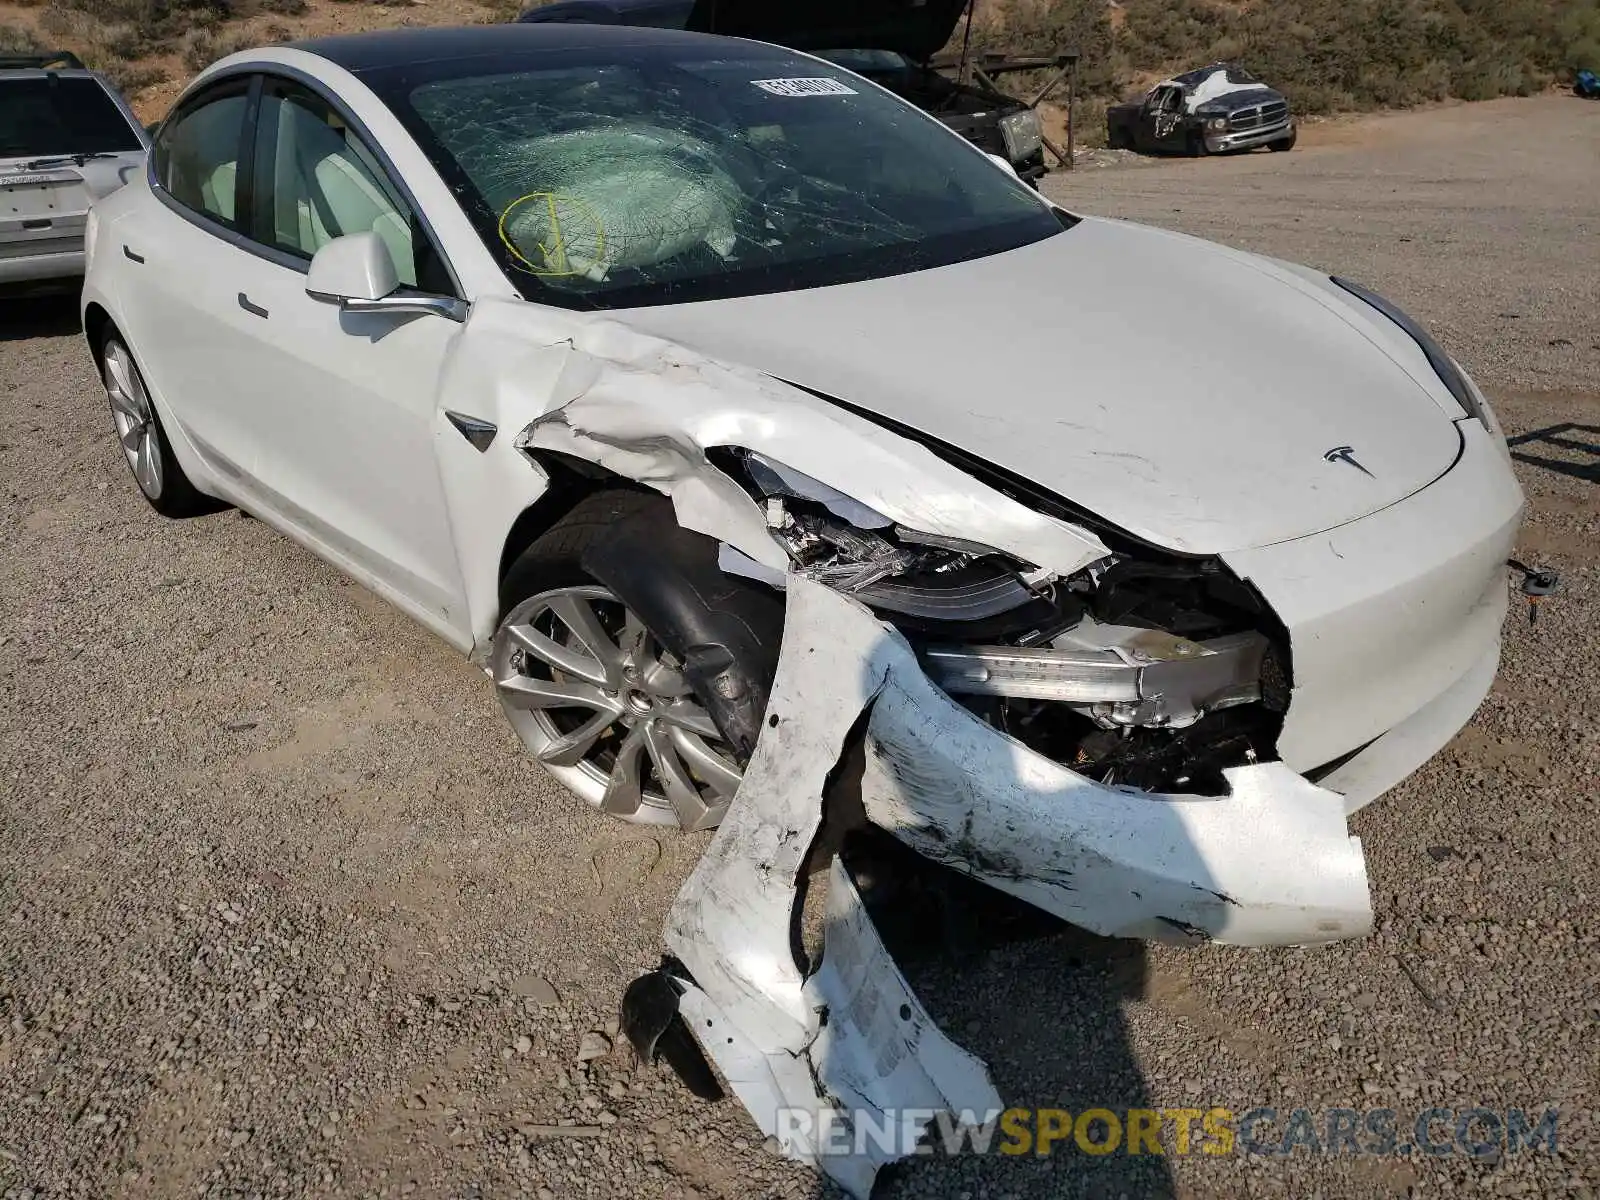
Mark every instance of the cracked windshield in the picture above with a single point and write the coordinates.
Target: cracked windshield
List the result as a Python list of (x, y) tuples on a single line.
[(688, 178)]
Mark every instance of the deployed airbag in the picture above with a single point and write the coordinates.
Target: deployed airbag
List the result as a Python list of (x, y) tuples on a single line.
[(618, 197)]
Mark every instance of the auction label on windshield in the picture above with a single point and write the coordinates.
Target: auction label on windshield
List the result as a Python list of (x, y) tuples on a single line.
[(14, 180), (804, 87)]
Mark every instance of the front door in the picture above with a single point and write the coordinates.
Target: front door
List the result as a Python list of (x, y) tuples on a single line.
[(1163, 119), (342, 407)]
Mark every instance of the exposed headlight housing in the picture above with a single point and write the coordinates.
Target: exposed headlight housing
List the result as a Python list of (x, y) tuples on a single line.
[(852, 548), (1217, 123), (1083, 669), (1022, 134), (1443, 365)]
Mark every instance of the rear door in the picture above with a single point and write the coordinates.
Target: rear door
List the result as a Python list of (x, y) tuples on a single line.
[(1163, 118), (179, 306)]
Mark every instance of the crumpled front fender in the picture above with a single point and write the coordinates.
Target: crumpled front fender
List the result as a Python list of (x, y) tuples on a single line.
[(646, 409)]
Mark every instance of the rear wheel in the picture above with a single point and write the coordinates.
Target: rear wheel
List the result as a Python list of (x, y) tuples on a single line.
[(143, 441), (1117, 138), (596, 698)]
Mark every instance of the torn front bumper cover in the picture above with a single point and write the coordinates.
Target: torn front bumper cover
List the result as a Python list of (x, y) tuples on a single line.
[(1271, 863)]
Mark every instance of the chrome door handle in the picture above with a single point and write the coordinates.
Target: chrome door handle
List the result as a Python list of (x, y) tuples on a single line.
[(128, 253), (255, 310)]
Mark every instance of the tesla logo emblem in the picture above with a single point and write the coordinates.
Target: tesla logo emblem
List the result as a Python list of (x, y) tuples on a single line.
[(1347, 455)]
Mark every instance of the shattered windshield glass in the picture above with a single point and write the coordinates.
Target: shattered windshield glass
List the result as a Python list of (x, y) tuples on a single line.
[(681, 175)]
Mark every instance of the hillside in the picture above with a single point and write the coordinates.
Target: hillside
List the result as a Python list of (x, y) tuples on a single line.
[(1328, 54), (151, 48)]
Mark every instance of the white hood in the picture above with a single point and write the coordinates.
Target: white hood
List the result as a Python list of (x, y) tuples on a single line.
[(1186, 392)]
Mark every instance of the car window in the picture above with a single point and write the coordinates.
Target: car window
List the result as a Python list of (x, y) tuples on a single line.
[(699, 169), (198, 151), (1166, 99), (44, 115), (866, 62), (316, 180)]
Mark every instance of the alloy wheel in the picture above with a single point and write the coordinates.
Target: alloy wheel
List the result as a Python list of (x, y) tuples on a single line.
[(134, 418), (608, 713)]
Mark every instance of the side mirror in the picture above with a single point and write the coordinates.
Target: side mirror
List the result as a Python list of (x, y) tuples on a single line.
[(357, 266), (357, 273), (1002, 161)]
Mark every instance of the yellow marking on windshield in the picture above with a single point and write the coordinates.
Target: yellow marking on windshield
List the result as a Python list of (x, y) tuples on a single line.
[(557, 262)]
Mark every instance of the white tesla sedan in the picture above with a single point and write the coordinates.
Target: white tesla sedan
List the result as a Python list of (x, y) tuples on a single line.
[(768, 443)]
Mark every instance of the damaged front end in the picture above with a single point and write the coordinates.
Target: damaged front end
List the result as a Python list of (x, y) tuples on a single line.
[(1143, 668), (1011, 688), (848, 1044)]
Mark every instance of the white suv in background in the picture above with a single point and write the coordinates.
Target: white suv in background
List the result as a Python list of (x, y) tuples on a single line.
[(67, 138)]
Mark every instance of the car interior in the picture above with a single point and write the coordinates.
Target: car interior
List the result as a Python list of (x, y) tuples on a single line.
[(323, 186)]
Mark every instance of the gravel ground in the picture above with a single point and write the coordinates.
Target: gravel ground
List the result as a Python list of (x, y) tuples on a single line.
[(284, 912)]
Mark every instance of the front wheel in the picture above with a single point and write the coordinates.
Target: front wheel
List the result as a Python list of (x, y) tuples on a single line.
[(1286, 143), (1197, 144), (595, 694)]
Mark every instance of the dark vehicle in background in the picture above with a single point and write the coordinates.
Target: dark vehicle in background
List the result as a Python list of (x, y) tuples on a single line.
[(1212, 110), (890, 42), (67, 137)]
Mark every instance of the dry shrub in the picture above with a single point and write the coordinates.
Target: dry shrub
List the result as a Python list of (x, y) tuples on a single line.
[(133, 78), (1327, 54), (205, 46), (104, 46), (14, 39), (1368, 53)]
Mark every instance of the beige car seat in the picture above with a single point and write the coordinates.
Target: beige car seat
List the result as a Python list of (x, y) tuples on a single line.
[(334, 193), (217, 190)]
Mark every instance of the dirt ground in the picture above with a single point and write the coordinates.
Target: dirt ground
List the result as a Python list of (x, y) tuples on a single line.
[(283, 911)]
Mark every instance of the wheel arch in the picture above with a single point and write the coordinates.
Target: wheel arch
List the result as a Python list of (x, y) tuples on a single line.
[(97, 323), (571, 481)]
